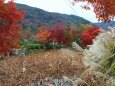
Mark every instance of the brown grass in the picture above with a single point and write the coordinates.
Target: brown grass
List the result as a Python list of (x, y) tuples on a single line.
[(28, 69)]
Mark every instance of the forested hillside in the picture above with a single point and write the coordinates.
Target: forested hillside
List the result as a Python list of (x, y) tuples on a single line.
[(36, 17)]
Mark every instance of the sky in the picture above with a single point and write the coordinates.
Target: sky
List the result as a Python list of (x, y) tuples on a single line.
[(61, 6)]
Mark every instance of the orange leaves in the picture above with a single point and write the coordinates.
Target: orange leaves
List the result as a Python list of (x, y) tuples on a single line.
[(73, 32), (91, 1), (104, 9), (43, 34)]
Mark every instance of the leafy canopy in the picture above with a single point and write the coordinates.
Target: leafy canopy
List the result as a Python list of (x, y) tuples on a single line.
[(10, 16), (57, 33), (104, 9)]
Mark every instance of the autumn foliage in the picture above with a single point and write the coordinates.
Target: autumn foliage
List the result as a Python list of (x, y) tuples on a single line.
[(63, 35), (43, 34), (10, 16), (104, 9), (57, 33), (88, 35)]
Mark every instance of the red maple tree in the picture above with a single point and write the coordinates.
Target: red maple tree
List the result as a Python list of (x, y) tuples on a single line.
[(58, 33), (88, 35), (10, 16), (104, 9)]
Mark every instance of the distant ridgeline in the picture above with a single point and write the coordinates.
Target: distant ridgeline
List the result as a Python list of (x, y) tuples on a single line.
[(36, 17), (106, 26)]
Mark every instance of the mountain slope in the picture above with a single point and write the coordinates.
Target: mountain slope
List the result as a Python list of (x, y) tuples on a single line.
[(105, 25), (36, 17)]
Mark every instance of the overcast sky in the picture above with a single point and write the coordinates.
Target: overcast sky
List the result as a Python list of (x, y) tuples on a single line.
[(60, 6)]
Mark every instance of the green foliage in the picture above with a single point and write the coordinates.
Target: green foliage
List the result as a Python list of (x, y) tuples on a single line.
[(110, 61), (22, 42), (22, 47), (35, 46), (53, 46), (113, 68), (111, 48)]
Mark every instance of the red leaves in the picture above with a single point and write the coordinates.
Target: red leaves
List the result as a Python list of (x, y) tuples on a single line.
[(104, 9), (61, 34), (10, 16), (57, 33), (89, 35)]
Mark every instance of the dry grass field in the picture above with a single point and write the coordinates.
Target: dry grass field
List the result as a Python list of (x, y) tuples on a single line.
[(23, 70)]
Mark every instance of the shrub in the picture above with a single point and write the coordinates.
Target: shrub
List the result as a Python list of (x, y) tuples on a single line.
[(53, 46), (35, 46)]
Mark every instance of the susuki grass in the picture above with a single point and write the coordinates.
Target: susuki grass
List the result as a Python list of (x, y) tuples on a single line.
[(100, 57)]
